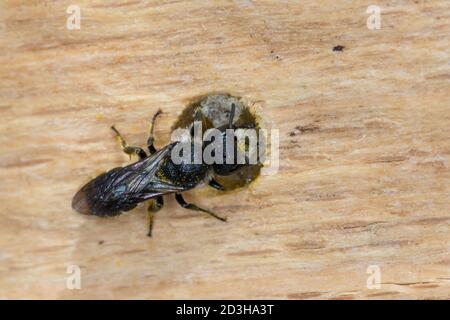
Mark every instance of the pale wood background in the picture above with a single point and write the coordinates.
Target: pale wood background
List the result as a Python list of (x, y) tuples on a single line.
[(364, 137)]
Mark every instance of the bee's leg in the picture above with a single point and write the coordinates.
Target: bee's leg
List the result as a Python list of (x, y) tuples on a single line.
[(151, 138), (191, 206), (130, 150), (213, 183), (155, 205)]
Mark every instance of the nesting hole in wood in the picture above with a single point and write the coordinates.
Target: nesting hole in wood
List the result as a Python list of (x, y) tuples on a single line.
[(216, 109)]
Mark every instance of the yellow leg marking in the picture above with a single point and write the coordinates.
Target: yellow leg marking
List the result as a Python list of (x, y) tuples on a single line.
[(154, 206), (130, 150)]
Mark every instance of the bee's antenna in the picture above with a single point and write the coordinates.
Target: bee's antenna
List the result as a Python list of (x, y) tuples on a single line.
[(197, 118), (198, 115), (230, 121)]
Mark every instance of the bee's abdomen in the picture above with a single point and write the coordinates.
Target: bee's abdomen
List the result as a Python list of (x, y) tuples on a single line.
[(94, 198)]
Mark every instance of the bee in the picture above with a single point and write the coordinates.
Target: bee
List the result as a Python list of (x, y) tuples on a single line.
[(155, 175)]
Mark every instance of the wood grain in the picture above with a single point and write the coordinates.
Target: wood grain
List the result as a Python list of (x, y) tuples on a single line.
[(364, 148)]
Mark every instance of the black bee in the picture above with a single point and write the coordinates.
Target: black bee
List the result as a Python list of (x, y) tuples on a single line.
[(153, 176)]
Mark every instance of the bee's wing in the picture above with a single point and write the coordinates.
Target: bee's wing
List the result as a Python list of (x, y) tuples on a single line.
[(145, 182), (121, 189)]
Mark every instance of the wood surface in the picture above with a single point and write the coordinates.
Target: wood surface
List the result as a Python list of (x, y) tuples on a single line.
[(364, 148)]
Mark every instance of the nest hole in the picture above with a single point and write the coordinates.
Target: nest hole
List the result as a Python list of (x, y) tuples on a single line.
[(216, 109)]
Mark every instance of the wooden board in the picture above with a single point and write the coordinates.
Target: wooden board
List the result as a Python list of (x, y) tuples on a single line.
[(364, 148)]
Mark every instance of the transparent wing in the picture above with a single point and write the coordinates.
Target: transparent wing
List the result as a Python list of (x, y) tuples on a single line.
[(121, 189)]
